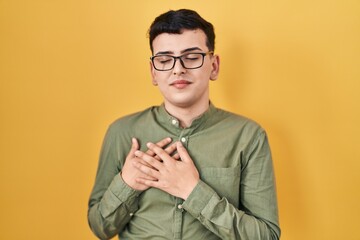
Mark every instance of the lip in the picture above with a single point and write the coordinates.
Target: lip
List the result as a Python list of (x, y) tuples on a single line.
[(180, 84)]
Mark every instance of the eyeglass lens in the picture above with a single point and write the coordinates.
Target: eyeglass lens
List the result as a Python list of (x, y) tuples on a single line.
[(189, 61)]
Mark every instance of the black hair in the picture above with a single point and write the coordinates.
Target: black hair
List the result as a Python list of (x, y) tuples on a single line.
[(174, 22)]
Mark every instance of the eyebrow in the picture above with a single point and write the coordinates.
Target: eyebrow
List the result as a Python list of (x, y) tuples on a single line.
[(182, 51)]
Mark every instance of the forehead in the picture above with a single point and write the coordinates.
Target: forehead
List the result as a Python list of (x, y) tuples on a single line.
[(175, 43)]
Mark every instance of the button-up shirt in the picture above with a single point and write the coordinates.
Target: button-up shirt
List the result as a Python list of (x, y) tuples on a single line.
[(234, 199)]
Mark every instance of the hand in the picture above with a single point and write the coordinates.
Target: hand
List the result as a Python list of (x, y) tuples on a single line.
[(129, 173), (176, 177)]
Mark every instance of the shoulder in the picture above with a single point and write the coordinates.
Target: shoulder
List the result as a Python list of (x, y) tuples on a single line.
[(238, 121), (133, 119)]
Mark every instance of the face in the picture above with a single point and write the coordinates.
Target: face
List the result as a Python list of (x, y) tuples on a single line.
[(180, 87)]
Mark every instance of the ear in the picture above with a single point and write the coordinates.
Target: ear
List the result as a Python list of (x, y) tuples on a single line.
[(215, 68), (153, 74)]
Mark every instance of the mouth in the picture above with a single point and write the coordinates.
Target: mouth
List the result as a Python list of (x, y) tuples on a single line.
[(180, 84)]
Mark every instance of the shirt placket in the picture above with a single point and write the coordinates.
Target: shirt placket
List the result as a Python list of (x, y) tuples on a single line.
[(178, 218), (183, 137)]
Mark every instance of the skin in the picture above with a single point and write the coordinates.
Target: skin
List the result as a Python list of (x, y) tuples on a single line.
[(175, 177), (129, 173), (186, 96), (185, 102)]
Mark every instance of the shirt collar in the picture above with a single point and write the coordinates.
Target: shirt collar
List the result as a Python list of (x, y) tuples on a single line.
[(172, 121)]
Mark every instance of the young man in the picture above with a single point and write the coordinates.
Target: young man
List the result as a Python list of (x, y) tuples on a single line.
[(185, 169)]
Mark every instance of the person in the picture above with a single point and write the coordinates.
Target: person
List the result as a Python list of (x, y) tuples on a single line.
[(184, 169)]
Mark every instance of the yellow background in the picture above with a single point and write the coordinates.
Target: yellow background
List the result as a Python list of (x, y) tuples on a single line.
[(69, 68)]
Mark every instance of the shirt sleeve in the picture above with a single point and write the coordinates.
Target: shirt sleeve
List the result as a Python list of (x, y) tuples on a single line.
[(112, 201), (257, 216)]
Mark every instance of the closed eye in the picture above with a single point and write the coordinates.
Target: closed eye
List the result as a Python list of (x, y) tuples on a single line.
[(191, 57), (165, 61)]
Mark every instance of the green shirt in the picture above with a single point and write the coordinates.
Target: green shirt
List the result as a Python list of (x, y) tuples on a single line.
[(235, 198)]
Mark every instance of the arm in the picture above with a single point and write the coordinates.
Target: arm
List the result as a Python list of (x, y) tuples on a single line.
[(257, 217), (112, 201), (109, 216), (115, 194)]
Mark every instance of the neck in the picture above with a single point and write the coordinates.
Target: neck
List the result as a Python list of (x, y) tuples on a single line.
[(186, 114)]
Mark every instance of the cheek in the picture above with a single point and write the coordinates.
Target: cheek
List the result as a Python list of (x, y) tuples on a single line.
[(161, 81), (207, 70), (159, 77), (205, 74)]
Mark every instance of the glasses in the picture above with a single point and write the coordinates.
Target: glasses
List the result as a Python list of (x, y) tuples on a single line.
[(188, 61)]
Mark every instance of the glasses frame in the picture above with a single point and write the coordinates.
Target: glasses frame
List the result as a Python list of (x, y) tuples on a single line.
[(181, 61)]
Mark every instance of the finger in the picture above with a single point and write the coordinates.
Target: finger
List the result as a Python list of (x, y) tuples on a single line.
[(134, 146), (146, 170), (184, 156), (147, 182), (149, 178), (170, 150), (176, 156), (141, 161), (150, 161), (162, 143), (159, 152)]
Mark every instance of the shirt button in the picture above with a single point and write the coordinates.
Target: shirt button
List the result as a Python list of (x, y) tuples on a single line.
[(183, 139), (174, 122), (180, 206), (131, 214)]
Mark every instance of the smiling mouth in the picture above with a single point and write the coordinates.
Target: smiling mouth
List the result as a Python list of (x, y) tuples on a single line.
[(180, 84)]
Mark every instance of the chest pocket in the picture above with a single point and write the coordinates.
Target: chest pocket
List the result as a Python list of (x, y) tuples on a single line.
[(225, 181)]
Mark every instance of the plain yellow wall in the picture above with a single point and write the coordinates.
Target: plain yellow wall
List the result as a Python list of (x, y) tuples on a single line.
[(69, 68)]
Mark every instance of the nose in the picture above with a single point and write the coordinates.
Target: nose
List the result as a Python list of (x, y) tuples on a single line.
[(179, 67)]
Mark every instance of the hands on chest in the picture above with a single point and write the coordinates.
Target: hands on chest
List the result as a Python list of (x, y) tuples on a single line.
[(169, 169)]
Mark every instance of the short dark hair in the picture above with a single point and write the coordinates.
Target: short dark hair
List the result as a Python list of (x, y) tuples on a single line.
[(176, 21)]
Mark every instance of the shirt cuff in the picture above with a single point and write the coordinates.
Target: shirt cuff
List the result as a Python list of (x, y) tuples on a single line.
[(121, 190), (117, 194), (198, 199)]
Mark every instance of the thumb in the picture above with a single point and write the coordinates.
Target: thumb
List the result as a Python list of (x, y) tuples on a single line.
[(134, 146), (184, 155)]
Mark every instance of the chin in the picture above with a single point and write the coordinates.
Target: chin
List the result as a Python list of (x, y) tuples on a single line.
[(183, 103)]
